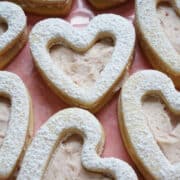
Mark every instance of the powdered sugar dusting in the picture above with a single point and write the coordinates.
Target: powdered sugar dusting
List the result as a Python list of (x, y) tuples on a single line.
[(140, 139), (12, 87), (16, 20), (67, 122), (45, 2), (57, 30), (152, 34)]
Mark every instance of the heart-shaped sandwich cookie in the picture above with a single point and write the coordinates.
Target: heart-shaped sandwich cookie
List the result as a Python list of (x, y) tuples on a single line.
[(46, 7), (158, 28), (87, 79), (50, 157), (101, 4), (13, 33), (15, 123), (149, 112)]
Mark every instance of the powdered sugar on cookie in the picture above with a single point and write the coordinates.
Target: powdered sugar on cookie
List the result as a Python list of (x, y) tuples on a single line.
[(138, 136), (59, 31), (64, 123), (160, 48), (14, 141)]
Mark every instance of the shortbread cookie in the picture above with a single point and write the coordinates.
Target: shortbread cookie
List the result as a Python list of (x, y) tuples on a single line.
[(15, 122), (101, 4), (46, 7), (158, 28), (150, 131), (13, 33), (85, 79), (49, 156)]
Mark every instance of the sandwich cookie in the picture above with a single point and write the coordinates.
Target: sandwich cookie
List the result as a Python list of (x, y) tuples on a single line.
[(51, 156), (158, 29), (15, 123), (149, 113), (13, 34), (83, 67)]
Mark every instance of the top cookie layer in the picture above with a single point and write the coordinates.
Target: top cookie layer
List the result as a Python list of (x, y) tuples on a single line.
[(46, 2), (15, 18), (46, 7), (65, 123), (155, 42), (11, 149), (139, 139), (61, 32)]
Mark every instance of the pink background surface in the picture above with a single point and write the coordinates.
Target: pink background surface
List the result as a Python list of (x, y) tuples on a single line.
[(46, 103)]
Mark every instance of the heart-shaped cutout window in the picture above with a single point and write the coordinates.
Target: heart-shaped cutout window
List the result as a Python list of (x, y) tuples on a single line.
[(3, 26), (68, 155), (4, 116), (84, 68), (164, 126), (170, 22), (105, 82), (150, 131)]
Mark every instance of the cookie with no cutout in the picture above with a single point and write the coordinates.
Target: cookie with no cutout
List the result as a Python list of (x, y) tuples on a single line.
[(50, 157), (101, 4), (158, 29), (84, 67), (149, 113), (46, 7), (13, 33), (15, 123)]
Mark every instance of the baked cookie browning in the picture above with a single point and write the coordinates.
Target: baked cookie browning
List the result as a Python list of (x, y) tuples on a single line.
[(83, 68)]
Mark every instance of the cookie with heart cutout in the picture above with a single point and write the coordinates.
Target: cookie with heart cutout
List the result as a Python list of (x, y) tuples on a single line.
[(50, 157), (13, 34), (46, 7), (15, 122), (149, 112), (158, 29), (101, 4), (83, 66)]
